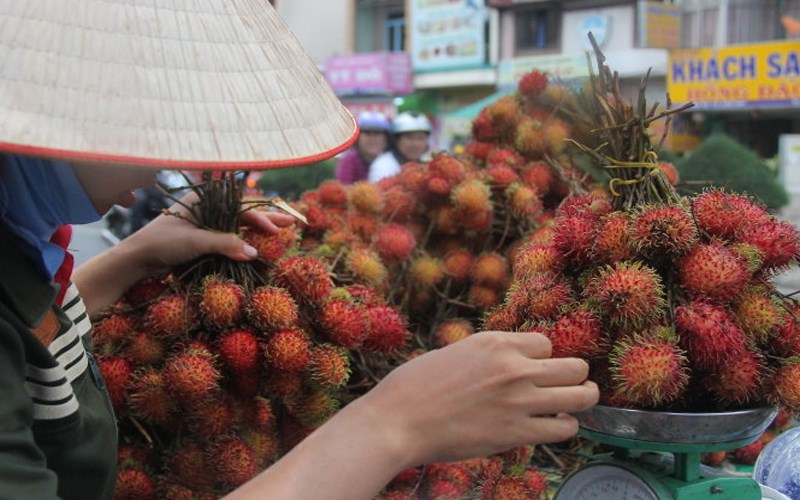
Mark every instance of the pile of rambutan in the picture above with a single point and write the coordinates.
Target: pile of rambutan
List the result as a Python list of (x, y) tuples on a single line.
[(220, 367), (670, 298)]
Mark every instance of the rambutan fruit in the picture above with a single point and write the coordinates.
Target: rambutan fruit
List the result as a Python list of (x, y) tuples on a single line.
[(344, 322), (536, 482), (612, 242), (457, 264), (529, 138), (412, 177), (315, 408), (628, 294), (149, 398), (477, 223), (714, 270), (116, 372), (438, 186), (365, 197), (537, 259), (585, 205), (221, 302), (784, 386), (577, 334), (387, 331), (112, 329), (426, 272), (555, 133), (288, 350), (144, 349), (471, 196), (239, 350), (448, 167), (260, 415), (477, 150), (786, 342), (758, 314), (366, 296), (507, 487), (777, 241), (738, 381), (451, 331), (724, 214), (670, 172), (170, 316), (145, 291), (134, 484), (233, 461), (366, 266), (574, 237), (747, 454), (502, 319), (394, 242), (173, 491), (504, 156), (192, 375), (658, 229), (483, 297), (713, 457), (523, 201), (490, 269), (363, 226), (532, 84), (332, 192), (283, 385), (750, 254), (306, 278), (329, 366), (482, 128), (399, 205), (502, 115), (271, 308), (709, 334), (539, 297), (648, 371), (538, 175), (318, 219), (214, 417)]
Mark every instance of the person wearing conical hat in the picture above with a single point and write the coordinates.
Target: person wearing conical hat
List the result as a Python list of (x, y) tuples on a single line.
[(95, 97)]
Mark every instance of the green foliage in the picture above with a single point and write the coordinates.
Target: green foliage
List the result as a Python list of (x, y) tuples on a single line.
[(721, 161), (291, 182)]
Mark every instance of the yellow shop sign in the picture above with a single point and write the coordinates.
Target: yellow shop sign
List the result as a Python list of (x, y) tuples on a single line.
[(742, 75)]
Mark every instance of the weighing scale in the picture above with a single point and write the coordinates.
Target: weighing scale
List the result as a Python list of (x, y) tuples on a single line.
[(656, 455)]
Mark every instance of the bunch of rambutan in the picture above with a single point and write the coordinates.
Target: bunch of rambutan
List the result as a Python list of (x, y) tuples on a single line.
[(670, 298), (219, 368)]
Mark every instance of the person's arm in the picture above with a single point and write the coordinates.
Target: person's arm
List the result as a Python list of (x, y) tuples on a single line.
[(488, 393), (166, 242)]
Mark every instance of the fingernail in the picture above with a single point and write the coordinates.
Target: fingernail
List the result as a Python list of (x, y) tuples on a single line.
[(250, 251)]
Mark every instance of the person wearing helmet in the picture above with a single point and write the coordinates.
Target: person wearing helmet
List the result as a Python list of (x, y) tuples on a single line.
[(411, 133), (372, 141)]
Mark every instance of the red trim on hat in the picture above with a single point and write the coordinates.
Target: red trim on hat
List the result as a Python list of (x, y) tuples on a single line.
[(67, 155)]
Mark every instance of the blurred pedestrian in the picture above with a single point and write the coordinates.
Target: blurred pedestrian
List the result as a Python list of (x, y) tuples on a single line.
[(373, 140), (411, 134)]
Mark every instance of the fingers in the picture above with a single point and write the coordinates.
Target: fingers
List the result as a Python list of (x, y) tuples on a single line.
[(530, 344), (268, 222), (553, 400), (552, 429), (555, 372), (228, 245)]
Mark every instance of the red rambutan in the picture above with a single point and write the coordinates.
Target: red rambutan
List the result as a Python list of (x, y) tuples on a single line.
[(523, 201), (777, 241), (306, 278), (192, 375), (737, 381), (271, 308), (170, 316), (629, 294), (345, 323), (708, 333), (532, 84), (134, 484), (288, 350), (331, 192), (577, 334), (150, 399), (658, 229), (239, 350), (221, 302), (490, 269), (387, 330), (329, 366), (723, 214), (714, 270), (649, 371), (785, 385), (116, 372), (457, 264), (394, 242), (234, 462)]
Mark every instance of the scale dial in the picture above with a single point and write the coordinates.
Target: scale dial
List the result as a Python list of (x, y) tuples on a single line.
[(606, 482)]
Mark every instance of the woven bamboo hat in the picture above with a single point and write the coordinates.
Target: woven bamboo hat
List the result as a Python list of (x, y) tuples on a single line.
[(217, 84)]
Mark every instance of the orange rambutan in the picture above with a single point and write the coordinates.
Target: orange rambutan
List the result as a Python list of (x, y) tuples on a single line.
[(708, 333), (214, 417), (539, 297), (585, 205), (271, 308), (649, 371), (288, 350), (399, 204), (536, 259), (113, 329), (483, 297), (758, 314), (490, 269), (387, 330), (365, 197), (189, 463), (221, 302), (529, 138), (477, 150), (670, 172), (502, 318), (192, 375), (502, 175), (577, 334), (143, 349), (426, 271), (448, 167), (363, 226), (329, 366), (738, 381), (523, 201), (538, 175), (714, 270), (366, 266), (306, 278), (451, 331), (471, 197), (332, 192), (500, 155), (784, 385), (149, 398), (233, 461), (628, 294), (314, 408), (724, 214), (555, 134), (457, 264), (283, 385), (503, 115), (170, 316), (612, 242), (345, 323), (394, 242), (658, 229)]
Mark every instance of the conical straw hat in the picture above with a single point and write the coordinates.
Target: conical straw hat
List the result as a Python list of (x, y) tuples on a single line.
[(217, 84)]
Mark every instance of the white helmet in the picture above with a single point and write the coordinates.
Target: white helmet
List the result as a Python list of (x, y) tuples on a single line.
[(410, 122)]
